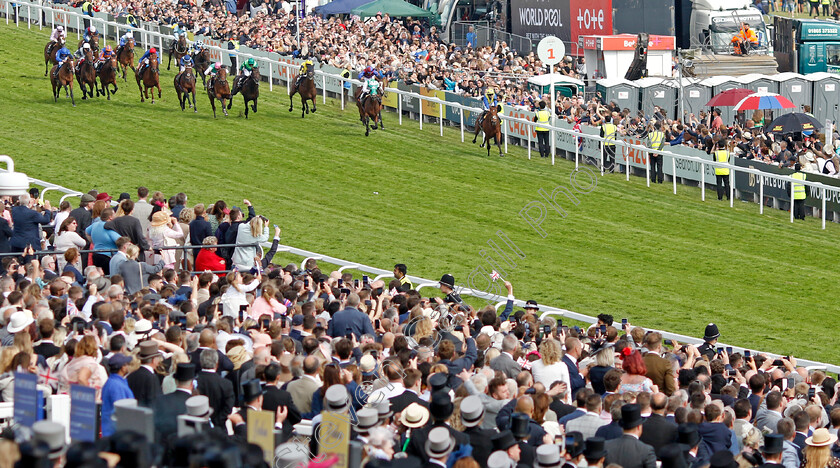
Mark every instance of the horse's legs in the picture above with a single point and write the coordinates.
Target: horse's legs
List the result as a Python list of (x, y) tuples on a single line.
[(381, 124), (314, 104), (499, 144), (246, 105), (224, 108), (291, 99), (367, 126), (195, 108), (140, 87), (213, 105), (170, 60), (72, 98), (56, 89), (306, 104), (304, 110), (158, 88), (115, 85)]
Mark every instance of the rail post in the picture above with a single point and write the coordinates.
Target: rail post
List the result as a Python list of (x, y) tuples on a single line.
[(602, 158), (731, 188), (440, 117), (399, 107), (647, 168), (577, 151), (823, 207), (420, 106), (674, 172), (791, 202), (324, 87), (761, 194), (506, 134), (270, 77), (528, 131), (702, 182), (626, 162), (461, 119)]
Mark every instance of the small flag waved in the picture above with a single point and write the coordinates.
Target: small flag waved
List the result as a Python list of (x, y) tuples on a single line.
[(495, 275)]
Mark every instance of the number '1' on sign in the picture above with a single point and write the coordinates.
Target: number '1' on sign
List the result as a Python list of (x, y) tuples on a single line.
[(551, 50)]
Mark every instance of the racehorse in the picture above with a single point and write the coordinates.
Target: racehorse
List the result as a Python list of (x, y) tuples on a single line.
[(250, 90), (86, 75), (178, 49), (218, 88), (492, 127), (49, 54), (184, 86), (63, 77), (306, 90), (94, 44), (150, 79), (371, 108), (107, 75), (202, 61), (125, 57)]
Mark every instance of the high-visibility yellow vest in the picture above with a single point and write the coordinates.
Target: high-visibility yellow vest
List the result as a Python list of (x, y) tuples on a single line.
[(87, 8), (543, 117), (656, 140), (609, 133), (405, 280), (798, 189), (826, 2), (722, 156)]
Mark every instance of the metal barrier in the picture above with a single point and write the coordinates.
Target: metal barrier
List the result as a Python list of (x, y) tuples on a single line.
[(493, 298), (486, 35)]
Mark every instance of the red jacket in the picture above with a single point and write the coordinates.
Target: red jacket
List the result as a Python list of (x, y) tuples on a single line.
[(208, 260)]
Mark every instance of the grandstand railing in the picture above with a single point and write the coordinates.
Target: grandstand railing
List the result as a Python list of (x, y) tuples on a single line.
[(498, 301), (153, 38)]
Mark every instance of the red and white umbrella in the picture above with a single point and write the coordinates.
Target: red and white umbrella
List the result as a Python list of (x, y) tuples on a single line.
[(764, 101)]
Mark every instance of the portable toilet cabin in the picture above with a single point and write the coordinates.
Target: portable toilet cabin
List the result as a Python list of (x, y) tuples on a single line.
[(657, 92), (720, 84), (623, 92), (826, 97), (797, 88), (694, 96)]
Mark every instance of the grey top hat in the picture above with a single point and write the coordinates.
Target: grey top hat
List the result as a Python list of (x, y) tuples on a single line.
[(53, 434), (199, 406), (548, 455), (471, 411), (368, 418), (336, 398), (291, 453), (499, 459), (383, 409), (439, 443)]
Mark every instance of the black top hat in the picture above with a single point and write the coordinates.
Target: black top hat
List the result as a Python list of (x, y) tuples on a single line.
[(723, 459), (711, 332), (574, 443), (184, 372), (503, 440), (773, 443), (631, 416), (687, 435), (519, 425), (672, 456), (594, 449), (438, 381), (531, 304), (441, 406), (251, 390), (448, 280)]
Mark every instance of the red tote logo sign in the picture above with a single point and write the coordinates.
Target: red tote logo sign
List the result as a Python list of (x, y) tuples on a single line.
[(590, 17)]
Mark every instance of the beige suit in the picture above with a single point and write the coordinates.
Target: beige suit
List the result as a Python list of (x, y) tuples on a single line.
[(301, 391)]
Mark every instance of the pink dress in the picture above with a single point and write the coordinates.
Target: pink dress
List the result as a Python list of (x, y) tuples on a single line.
[(262, 307), (69, 375)]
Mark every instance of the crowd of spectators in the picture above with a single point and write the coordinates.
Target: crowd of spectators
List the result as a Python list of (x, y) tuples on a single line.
[(406, 50), (423, 381)]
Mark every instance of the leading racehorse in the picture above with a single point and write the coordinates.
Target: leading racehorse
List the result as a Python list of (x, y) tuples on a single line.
[(94, 44), (125, 57), (63, 77), (49, 54), (218, 88), (86, 75), (492, 128), (250, 90), (107, 76), (178, 49), (306, 90), (371, 108), (185, 86), (150, 79)]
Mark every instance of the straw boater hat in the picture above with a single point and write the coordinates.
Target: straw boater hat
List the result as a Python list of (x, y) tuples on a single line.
[(414, 416), (821, 438)]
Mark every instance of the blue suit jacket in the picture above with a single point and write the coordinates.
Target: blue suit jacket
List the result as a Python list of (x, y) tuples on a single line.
[(354, 320), (26, 223), (576, 379)]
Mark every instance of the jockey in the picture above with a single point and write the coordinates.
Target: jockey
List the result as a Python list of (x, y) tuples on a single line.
[(90, 33), (245, 71), (178, 31), (128, 36), (59, 35), (213, 69), (62, 55), (83, 50), (106, 54), (144, 60), (197, 47), (302, 71), (487, 101), (186, 61), (370, 83)]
